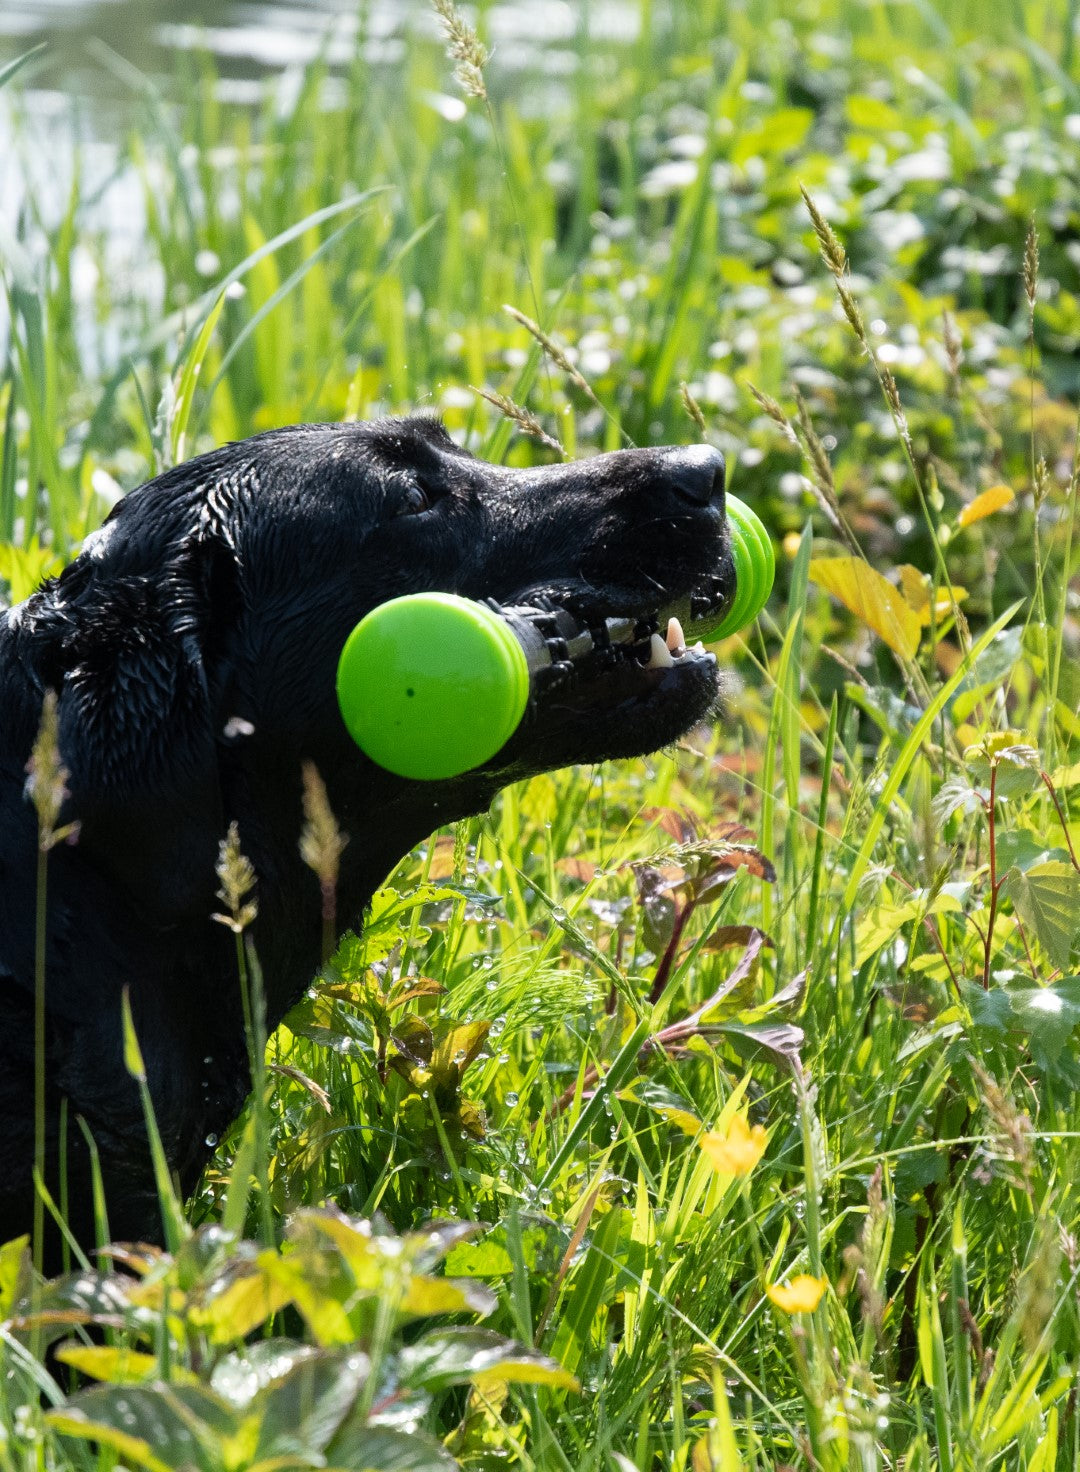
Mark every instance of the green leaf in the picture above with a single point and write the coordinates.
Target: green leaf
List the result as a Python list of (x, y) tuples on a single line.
[(1013, 762), (1047, 899), (306, 1278), (487, 1259), (1021, 849), (305, 1408), (133, 1058), (8, 71), (382, 1449), (426, 1296), (1048, 1015), (669, 1105), (134, 1449), (159, 1426), (990, 1009), (241, 1376), (872, 114), (189, 377), (23, 568), (781, 1038), (448, 1357), (878, 926), (990, 669), (14, 1267), (911, 749)]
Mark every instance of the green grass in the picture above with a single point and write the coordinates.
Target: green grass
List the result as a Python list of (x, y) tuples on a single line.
[(861, 890)]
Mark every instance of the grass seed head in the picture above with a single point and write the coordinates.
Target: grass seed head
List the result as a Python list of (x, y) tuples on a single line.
[(832, 252), (46, 781), (237, 878), (526, 421), (892, 394), (1012, 1128), (817, 454), (464, 48), (321, 840), (1031, 266), (954, 348), (555, 351), (693, 408), (776, 414), (1042, 482), (852, 313)]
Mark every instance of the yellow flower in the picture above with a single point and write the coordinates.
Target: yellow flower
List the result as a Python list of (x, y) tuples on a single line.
[(737, 1152), (801, 1296)]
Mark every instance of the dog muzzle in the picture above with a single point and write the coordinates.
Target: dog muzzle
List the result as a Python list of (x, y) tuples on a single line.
[(432, 685)]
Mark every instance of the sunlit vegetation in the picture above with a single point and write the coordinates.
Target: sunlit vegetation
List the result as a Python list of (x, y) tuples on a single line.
[(718, 1110)]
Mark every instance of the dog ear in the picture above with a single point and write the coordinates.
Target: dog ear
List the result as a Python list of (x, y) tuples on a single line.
[(137, 662), (128, 657)]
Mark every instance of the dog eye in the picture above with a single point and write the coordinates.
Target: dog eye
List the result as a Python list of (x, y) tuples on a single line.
[(415, 498)]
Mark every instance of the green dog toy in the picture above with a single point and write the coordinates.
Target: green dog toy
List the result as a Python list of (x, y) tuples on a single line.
[(432, 685)]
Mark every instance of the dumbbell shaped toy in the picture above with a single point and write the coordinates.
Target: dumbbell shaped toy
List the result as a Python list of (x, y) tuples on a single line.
[(432, 685)]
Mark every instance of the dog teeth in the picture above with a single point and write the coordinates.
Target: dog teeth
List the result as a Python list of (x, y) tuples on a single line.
[(676, 640), (659, 654)]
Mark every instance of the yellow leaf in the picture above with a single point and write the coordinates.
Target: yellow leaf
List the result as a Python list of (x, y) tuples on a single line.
[(871, 598), (525, 1372), (102, 1362), (915, 586), (248, 1301), (801, 1296), (132, 1448), (736, 1152), (985, 504), (687, 1122)]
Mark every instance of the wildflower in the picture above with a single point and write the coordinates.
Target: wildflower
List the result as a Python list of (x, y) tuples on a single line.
[(736, 1152), (801, 1296)]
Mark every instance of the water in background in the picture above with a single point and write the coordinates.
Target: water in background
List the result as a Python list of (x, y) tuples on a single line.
[(98, 54), (100, 60), (250, 39)]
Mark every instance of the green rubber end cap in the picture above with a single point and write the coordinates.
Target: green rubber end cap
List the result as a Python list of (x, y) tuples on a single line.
[(755, 568), (432, 685)]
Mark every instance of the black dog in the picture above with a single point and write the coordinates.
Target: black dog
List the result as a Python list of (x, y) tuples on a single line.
[(193, 647)]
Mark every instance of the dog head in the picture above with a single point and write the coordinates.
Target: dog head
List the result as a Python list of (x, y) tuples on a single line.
[(194, 641)]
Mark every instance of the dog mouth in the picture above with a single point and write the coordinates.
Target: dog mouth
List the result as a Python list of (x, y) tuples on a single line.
[(572, 647)]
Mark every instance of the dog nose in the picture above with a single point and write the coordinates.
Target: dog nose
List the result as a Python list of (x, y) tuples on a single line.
[(695, 472)]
